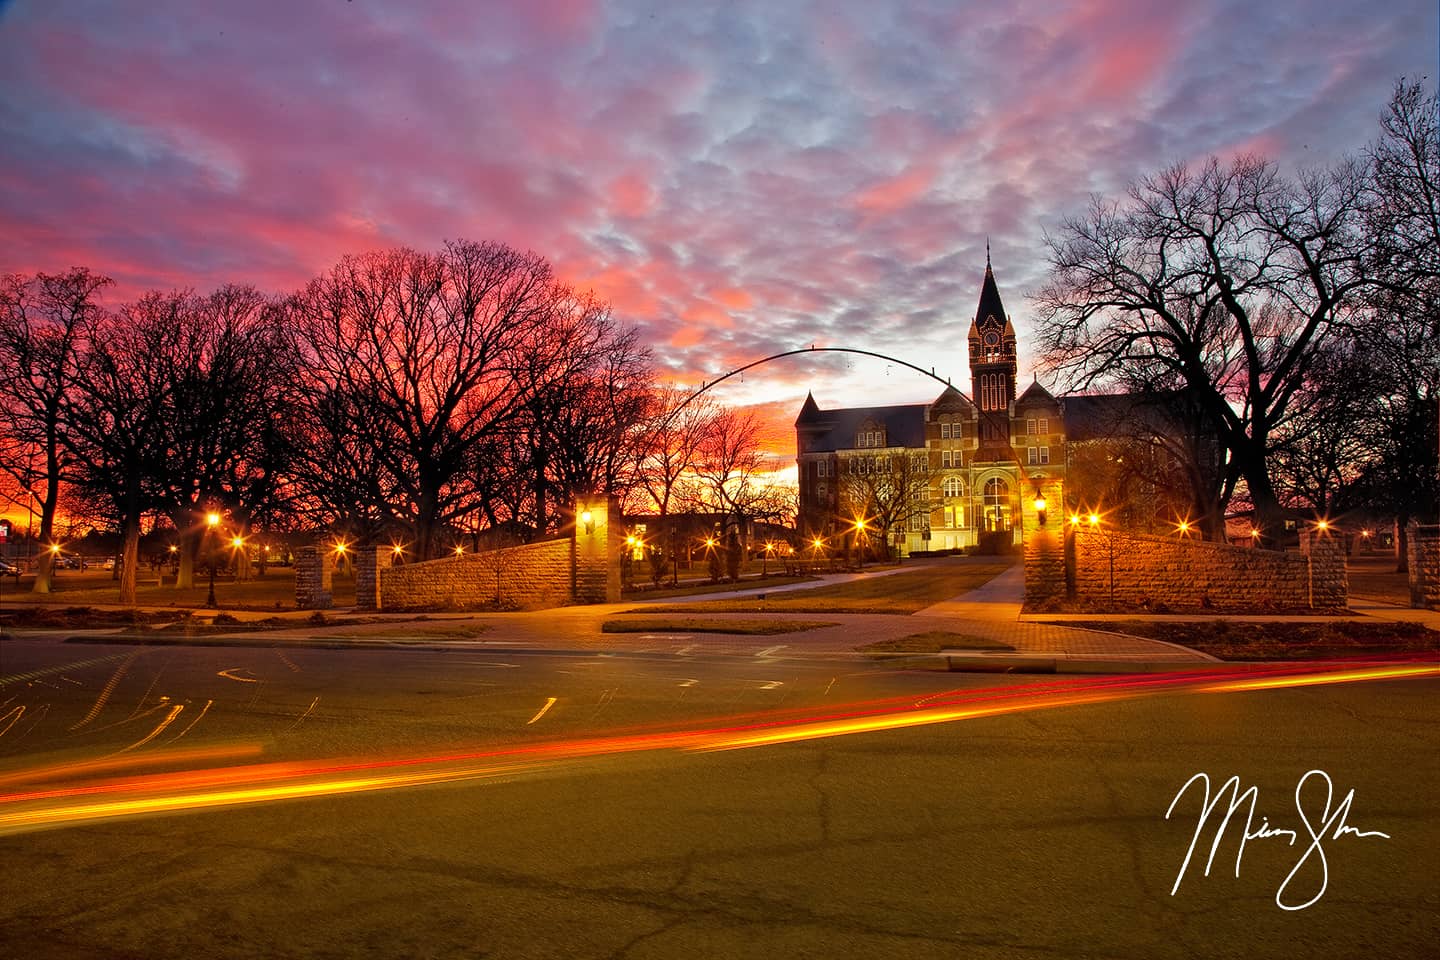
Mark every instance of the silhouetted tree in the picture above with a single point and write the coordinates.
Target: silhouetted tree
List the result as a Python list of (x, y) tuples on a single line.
[(43, 321)]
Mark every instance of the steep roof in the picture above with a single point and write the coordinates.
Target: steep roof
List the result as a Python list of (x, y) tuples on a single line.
[(1112, 415), (809, 413), (1036, 394), (990, 304), (904, 426)]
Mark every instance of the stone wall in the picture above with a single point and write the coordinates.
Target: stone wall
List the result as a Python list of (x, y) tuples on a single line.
[(583, 566), (1424, 561), (314, 572), (1180, 574), (525, 577)]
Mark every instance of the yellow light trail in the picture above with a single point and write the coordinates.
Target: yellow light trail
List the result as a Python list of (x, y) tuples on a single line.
[(160, 793)]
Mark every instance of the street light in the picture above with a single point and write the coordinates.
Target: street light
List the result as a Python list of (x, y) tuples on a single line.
[(859, 548), (1040, 506), (212, 520), (765, 558)]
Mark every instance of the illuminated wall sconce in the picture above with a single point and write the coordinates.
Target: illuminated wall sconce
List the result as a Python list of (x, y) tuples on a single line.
[(1040, 507), (588, 519)]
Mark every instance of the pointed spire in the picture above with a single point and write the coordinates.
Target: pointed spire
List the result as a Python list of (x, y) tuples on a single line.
[(987, 253), (809, 412)]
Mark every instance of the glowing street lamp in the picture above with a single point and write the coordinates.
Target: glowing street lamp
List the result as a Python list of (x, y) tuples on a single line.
[(212, 520), (765, 557), (859, 547), (1094, 519), (1040, 507)]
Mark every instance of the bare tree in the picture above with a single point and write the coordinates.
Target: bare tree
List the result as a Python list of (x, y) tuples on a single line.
[(426, 359), (580, 430), (43, 320), (1229, 279), (672, 441), (887, 490), (117, 411), (735, 475), (225, 378), (1400, 341)]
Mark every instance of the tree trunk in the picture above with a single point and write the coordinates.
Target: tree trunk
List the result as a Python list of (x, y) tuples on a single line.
[(129, 559), (189, 550)]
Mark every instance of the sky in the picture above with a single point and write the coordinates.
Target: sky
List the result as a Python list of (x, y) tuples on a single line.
[(737, 179)]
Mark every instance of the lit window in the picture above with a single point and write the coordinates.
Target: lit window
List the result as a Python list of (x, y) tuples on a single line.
[(953, 487), (1044, 425)]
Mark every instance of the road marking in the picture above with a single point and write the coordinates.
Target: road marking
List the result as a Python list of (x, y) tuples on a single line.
[(77, 665), (688, 682), (771, 651), (768, 684), (548, 704), (686, 649), (230, 674), (829, 685)]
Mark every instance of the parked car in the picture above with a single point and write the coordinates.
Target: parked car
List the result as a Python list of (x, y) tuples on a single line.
[(109, 564), (8, 569)]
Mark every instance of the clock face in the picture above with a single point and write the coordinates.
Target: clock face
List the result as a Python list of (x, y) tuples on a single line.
[(992, 338)]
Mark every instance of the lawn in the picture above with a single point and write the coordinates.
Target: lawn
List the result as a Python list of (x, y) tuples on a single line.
[(1374, 578), (274, 591), (900, 593), (1240, 640)]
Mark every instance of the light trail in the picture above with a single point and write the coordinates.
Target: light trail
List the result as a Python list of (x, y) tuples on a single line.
[(161, 793)]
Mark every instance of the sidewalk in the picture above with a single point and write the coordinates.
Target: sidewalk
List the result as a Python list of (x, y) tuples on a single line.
[(992, 611)]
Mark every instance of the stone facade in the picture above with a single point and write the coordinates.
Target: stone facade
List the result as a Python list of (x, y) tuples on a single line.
[(1045, 573), (1104, 567), (314, 572), (1424, 561), (961, 466)]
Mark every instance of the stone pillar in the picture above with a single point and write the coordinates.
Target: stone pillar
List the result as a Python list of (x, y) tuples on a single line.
[(367, 578), (595, 551), (313, 571), (1325, 556), (1044, 543), (1424, 558)]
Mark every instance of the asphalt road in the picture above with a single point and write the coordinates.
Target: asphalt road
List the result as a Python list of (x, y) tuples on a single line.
[(243, 802)]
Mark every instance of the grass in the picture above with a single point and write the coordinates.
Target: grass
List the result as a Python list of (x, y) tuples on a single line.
[(900, 593), (1240, 640), (689, 588), (274, 591), (1374, 578), (934, 641), (747, 628)]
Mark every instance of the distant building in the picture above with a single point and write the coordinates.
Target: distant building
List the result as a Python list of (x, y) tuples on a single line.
[(947, 474)]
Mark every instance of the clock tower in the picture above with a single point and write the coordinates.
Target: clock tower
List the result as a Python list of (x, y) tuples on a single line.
[(992, 365)]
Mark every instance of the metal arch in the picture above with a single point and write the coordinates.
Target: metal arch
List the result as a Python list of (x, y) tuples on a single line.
[(791, 353)]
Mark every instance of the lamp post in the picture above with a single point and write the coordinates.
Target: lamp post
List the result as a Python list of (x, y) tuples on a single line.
[(212, 520), (859, 547)]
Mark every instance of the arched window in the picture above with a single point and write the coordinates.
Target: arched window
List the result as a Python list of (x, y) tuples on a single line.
[(954, 487), (997, 504)]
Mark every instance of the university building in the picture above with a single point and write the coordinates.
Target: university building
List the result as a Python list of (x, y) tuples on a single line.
[(941, 475)]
